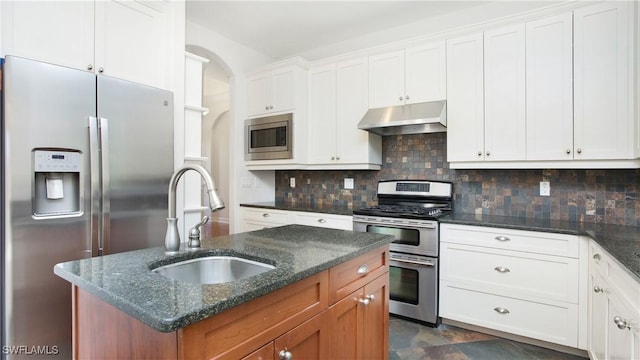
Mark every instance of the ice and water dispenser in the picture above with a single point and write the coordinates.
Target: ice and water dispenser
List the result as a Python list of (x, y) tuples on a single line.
[(57, 178)]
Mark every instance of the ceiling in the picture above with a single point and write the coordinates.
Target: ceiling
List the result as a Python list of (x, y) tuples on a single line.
[(281, 29)]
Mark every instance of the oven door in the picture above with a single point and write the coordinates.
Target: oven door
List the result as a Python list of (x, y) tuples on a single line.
[(419, 239), (413, 287)]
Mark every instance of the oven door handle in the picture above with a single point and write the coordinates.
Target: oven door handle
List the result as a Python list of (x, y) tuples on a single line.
[(424, 263), (430, 225)]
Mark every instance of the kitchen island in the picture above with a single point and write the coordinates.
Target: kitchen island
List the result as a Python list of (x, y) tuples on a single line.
[(326, 284)]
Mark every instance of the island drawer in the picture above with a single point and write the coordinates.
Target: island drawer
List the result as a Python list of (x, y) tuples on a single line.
[(349, 276), (508, 239), (331, 221), (267, 215), (512, 273)]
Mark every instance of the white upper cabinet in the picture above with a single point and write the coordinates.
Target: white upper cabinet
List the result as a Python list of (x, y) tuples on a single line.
[(465, 98), (129, 40), (603, 119), (338, 99), (549, 88), (504, 94), (413, 75), (272, 91)]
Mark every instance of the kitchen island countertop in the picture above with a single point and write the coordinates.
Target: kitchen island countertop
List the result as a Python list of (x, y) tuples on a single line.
[(125, 280)]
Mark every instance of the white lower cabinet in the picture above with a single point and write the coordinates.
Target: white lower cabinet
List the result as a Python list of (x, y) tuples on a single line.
[(521, 282), (614, 308), (260, 218)]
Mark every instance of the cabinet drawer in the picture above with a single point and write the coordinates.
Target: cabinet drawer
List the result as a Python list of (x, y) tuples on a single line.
[(355, 273), (341, 222), (516, 274), (238, 331), (266, 215), (554, 323), (506, 239)]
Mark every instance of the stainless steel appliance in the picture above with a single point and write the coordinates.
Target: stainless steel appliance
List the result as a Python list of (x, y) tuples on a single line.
[(408, 210), (86, 163), (269, 138)]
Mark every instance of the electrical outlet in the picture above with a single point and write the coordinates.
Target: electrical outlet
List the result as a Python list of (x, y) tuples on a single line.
[(348, 183), (292, 182), (545, 188)]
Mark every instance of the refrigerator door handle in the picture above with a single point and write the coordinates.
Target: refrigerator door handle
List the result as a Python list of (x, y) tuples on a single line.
[(106, 185), (94, 152)]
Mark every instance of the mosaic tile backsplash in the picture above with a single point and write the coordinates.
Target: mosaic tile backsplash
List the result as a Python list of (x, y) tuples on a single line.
[(601, 196)]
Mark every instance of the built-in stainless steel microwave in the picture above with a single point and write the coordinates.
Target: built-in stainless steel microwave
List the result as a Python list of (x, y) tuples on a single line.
[(269, 138)]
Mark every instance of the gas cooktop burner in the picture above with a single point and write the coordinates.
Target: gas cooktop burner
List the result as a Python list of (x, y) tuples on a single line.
[(417, 212)]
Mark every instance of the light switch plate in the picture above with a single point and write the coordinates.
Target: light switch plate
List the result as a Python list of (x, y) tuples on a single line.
[(348, 183), (545, 188), (292, 182)]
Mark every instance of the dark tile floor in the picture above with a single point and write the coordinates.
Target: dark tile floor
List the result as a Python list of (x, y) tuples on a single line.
[(411, 341)]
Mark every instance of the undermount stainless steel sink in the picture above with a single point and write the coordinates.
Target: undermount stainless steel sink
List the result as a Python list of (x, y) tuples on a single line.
[(213, 269)]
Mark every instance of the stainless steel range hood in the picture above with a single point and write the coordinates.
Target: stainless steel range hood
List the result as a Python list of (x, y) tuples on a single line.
[(427, 117)]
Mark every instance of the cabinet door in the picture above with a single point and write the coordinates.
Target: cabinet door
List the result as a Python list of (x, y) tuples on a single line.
[(283, 89), (426, 73), (504, 94), (375, 325), (621, 340), (257, 90), (602, 81), (549, 88), (598, 317), (310, 340), (354, 146), (322, 115), (133, 41), (346, 322), (386, 79), (50, 31), (465, 99)]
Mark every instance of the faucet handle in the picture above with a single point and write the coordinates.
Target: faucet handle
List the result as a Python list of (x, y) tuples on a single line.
[(194, 234)]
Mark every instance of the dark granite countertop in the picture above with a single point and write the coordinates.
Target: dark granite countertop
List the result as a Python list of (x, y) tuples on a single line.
[(125, 281), (306, 207), (622, 242)]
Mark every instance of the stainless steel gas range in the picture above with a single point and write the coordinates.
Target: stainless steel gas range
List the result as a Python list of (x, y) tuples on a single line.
[(408, 210)]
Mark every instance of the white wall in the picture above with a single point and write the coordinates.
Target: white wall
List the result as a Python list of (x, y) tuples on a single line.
[(237, 60)]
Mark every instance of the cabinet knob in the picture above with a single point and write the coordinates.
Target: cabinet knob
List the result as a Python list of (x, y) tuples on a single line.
[(501, 269), (90, 67), (266, 107), (598, 289), (568, 151), (488, 153), (322, 221), (406, 97), (270, 107), (502, 238), (285, 355), (596, 256), (501, 310), (337, 157), (621, 323), (479, 153), (101, 70), (367, 300), (400, 98), (265, 215), (363, 269), (579, 150), (333, 158)]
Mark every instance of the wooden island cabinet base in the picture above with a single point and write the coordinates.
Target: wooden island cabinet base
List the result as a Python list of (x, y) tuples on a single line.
[(298, 318)]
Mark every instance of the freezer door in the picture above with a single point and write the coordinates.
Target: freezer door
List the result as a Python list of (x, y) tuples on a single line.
[(136, 125), (44, 106)]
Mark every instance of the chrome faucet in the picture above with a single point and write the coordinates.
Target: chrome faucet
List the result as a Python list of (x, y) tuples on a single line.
[(172, 238)]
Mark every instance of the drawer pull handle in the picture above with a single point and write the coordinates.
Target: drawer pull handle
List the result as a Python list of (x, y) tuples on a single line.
[(596, 256), (367, 299), (501, 310), (598, 289), (363, 269), (622, 324), (501, 269), (322, 221), (502, 238), (265, 215)]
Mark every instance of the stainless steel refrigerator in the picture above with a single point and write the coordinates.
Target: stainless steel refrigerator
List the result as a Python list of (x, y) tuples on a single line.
[(86, 162)]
